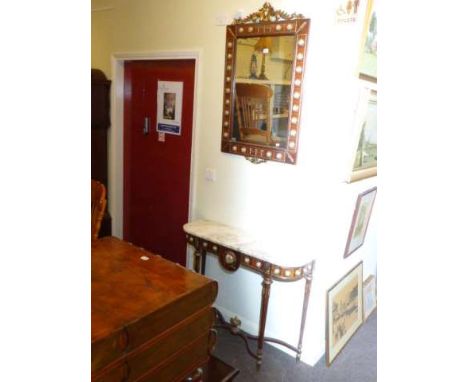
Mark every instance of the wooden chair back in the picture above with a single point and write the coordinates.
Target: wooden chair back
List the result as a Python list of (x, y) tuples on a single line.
[(98, 206), (253, 105)]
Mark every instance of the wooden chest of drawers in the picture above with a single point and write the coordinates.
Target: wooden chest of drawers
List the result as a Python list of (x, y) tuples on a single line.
[(151, 319)]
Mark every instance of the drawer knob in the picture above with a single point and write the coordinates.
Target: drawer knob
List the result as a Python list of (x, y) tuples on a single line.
[(124, 339)]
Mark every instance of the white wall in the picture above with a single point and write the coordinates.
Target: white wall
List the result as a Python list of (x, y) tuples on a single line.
[(306, 202)]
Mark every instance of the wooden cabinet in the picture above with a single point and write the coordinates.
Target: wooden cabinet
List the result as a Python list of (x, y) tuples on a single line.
[(151, 319), (100, 122)]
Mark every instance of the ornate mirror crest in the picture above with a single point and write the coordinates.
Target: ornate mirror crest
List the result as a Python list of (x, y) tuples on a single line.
[(267, 14), (264, 72)]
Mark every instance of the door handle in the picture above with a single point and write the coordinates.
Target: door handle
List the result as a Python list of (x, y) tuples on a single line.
[(146, 126)]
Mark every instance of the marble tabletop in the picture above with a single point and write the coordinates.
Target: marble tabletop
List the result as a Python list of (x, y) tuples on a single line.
[(290, 253)]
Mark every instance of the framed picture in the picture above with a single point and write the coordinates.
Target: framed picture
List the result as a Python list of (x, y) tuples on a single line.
[(363, 154), (344, 312), (169, 107), (347, 10), (360, 221), (370, 296), (368, 53)]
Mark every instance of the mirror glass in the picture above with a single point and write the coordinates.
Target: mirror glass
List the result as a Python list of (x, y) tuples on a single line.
[(263, 81), (263, 73)]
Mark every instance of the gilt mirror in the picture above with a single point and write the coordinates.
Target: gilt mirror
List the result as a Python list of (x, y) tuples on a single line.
[(264, 73)]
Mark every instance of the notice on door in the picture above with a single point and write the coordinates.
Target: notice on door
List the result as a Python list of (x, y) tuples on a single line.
[(169, 107)]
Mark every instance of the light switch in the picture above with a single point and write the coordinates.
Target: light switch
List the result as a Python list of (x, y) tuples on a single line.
[(210, 174)]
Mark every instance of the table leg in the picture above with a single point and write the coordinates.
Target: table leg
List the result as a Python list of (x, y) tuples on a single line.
[(267, 281), (196, 261), (305, 305), (203, 261)]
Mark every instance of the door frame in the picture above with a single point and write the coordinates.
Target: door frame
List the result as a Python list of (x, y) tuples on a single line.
[(116, 132)]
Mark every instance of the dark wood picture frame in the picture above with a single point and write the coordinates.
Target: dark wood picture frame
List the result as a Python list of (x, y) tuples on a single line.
[(333, 350), (360, 221)]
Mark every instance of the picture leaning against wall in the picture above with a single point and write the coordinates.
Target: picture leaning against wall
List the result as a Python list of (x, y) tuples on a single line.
[(369, 296), (344, 311)]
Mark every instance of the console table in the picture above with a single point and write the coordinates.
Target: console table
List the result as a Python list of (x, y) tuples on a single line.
[(235, 248)]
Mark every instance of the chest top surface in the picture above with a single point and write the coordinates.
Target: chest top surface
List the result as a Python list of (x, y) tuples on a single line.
[(129, 283)]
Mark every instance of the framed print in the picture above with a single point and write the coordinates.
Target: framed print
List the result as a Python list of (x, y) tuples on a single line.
[(363, 156), (169, 107), (368, 53), (347, 10), (344, 312), (360, 221), (369, 296)]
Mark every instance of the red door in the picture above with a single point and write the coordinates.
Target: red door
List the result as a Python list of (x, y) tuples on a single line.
[(156, 173)]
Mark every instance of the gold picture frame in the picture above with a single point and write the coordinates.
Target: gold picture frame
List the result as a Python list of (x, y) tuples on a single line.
[(363, 154), (344, 312), (360, 221), (367, 67)]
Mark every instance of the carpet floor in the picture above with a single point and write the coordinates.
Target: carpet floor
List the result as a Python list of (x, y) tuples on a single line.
[(357, 362)]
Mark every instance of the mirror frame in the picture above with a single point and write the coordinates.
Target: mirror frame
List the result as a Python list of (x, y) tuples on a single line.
[(265, 22)]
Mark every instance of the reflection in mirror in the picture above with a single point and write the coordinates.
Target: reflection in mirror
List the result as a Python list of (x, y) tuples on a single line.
[(264, 71), (263, 89)]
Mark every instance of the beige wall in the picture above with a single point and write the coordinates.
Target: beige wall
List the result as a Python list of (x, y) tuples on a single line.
[(308, 202)]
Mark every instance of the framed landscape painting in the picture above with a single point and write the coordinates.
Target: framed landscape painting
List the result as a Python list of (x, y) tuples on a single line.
[(368, 56), (360, 220), (363, 154), (344, 312)]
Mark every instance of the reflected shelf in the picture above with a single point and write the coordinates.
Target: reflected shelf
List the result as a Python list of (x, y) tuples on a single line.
[(262, 82)]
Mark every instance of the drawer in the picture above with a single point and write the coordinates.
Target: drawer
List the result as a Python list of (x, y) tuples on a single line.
[(118, 373), (157, 323), (156, 352), (182, 364), (134, 335), (108, 350)]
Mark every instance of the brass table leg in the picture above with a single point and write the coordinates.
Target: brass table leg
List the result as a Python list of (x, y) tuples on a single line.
[(266, 284), (305, 305), (199, 257)]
